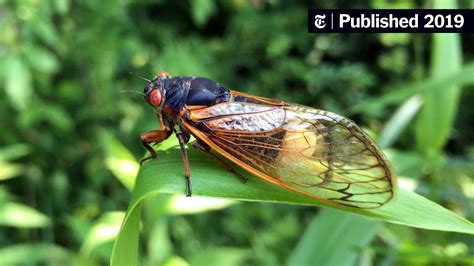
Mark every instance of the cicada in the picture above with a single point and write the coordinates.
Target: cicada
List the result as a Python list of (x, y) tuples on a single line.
[(313, 152)]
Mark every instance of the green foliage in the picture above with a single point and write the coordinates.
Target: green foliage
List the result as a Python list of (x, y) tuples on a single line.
[(446, 59), (161, 176), (349, 235), (69, 140)]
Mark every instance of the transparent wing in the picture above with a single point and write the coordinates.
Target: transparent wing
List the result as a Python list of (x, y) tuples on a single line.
[(311, 151)]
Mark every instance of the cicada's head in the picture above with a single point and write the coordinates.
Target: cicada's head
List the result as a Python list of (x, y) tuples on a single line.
[(155, 92), (169, 95)]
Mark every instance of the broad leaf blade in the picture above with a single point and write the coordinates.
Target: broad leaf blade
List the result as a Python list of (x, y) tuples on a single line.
[(166, 175)]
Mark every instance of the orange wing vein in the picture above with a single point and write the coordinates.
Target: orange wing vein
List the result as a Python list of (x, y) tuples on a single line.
[(317, 153)]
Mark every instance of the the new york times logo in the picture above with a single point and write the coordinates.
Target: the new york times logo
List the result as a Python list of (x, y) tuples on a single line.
[(390, 20), (319, 21)]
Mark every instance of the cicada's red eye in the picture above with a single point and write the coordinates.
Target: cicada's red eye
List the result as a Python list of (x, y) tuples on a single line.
[(155, 97)]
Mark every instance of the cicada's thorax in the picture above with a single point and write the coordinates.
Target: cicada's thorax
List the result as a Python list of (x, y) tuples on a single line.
[(190, 92)]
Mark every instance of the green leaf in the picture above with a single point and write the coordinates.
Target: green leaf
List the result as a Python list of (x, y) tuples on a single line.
[(46, 31), (13, 152), (103, 231), (180, 204), (38, 254), (202, 10), (157, 207), (159, 244), (22, 216), (175, 261), (220, 256), (399, 121), (50, 113), (166, 175), (125, 250), (62, 6), (437, 115), (10, 170), (41, 59), (398, 94), (18, 83), (338, 237), (119, 160)]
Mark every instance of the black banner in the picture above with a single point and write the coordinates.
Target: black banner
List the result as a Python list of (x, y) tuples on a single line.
[(391, 20)]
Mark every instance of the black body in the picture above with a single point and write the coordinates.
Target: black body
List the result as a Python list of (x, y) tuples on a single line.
[(191, 91)]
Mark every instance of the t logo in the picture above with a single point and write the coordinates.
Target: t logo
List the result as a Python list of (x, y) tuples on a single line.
[(319, 21)]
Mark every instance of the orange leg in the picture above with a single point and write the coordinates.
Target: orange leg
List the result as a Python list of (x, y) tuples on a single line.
[(153, 136)]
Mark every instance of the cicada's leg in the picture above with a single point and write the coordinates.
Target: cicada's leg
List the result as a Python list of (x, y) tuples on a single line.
[(183, 138), (206, 149), (153, 136)]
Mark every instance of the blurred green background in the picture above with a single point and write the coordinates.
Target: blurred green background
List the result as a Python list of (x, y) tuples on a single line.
[(63, 64)]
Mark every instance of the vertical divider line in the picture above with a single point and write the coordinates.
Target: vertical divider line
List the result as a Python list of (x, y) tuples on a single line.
[(332, 21)]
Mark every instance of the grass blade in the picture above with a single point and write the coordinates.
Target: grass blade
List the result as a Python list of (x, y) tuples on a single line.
[(437, 115), (398, 94), (399, 121), (333, 230)]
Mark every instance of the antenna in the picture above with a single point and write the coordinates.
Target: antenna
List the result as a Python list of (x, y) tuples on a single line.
[(142, 94), (145, 79)]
